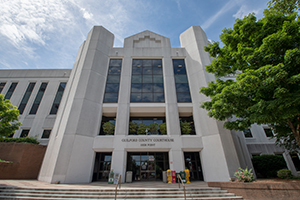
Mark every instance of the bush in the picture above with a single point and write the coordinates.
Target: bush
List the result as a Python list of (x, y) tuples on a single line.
[(284, 174), (20, 140), (244, 175), (266, 166), (108, 128)]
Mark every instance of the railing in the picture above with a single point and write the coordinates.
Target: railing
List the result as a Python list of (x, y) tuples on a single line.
[(118, 184), (179, 179)]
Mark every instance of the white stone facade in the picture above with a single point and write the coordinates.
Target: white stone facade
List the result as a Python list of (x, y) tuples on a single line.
[(75, 139)]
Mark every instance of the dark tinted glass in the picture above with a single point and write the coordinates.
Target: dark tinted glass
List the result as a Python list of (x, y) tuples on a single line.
[(46, 134), (38, 98), (183, 97), (10, 90), (26, 97), (2, 86), (151, 79), (24, 133), (57, 98), (113, 81)]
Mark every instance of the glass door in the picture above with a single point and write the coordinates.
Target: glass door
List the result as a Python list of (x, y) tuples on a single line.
[(147, 166)]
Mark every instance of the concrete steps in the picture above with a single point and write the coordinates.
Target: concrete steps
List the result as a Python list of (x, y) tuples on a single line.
[(204, 193)]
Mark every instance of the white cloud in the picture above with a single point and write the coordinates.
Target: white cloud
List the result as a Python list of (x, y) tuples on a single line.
[(244, 11), (223, 10), (28, 21)]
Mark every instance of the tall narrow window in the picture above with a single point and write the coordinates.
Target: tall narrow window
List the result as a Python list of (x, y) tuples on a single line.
[(38, 99), (113, 81), (2, 86), (147, 83), (181, 81), (25, 98), (10, 90), (57, 98)]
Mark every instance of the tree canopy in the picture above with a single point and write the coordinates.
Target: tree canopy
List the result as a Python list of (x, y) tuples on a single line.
[(9, 117), (258, 75)]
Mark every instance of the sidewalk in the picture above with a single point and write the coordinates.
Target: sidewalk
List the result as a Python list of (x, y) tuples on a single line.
[(95, 185)]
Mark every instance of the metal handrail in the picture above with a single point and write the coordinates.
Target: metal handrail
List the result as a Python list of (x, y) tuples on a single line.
[(118, 184), (179, 177)]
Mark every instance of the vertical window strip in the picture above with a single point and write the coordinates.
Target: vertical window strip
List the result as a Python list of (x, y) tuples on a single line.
[(26, 98), (10, 90), (181, 81), (113, 81), (57, 99), (2, 84), (38, 99)]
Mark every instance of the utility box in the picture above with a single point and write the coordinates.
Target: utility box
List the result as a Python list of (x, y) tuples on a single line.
[(129, 177), (111, 177), (165, 178)]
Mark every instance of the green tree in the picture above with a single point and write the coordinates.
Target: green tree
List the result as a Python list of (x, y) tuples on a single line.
[(261, 59), (284, 6), (9, 118)]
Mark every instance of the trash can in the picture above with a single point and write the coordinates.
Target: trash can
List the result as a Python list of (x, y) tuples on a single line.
[(129, 177), (165, 178), (182, 175)]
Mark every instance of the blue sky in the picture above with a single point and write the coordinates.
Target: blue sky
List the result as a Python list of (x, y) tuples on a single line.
[(43, 34)]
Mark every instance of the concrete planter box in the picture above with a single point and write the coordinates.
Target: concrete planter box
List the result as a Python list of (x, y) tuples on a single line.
[(27, 159), (262, 191)]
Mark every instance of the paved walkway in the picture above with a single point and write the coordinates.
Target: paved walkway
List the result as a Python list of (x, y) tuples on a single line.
[(95, 185)]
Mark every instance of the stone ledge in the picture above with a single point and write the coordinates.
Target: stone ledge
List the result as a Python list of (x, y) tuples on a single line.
[(261, 191)]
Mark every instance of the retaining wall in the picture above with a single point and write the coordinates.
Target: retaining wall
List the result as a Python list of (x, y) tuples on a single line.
[(27, 160), (262, 191)]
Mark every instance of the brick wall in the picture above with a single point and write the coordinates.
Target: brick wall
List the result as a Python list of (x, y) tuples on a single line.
[(27, 160)]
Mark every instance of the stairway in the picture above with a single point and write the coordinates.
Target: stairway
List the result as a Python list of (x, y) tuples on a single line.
[(203, 193)]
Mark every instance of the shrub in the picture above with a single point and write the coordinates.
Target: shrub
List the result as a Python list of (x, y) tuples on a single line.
[(284, 174), (244, 175), (108, 128), (142, 129), (185, 128), (133, 127), (267, 166), (163, 128), (20, 140)]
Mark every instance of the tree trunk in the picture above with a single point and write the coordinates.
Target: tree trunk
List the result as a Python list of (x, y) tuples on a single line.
[(295, 130)]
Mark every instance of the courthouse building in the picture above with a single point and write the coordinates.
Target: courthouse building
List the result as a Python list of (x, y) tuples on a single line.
[(135, 108)]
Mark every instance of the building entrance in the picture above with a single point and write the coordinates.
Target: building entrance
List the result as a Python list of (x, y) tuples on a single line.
[(147, 166), (192, 162)]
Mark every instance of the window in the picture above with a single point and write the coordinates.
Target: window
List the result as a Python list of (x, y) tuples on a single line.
[(247, 133), (107, 126), (113, 81), (147, 126), (268, 132), (24, 133), (147, 83), (46, 133), (187, 126), (10, 90), (57, 98), (1, 86), (26, 97), (38, 99), (181, 81), (296, 161)]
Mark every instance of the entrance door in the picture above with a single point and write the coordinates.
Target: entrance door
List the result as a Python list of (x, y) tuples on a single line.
[(192, 162), (102, 166), (147, 166)]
